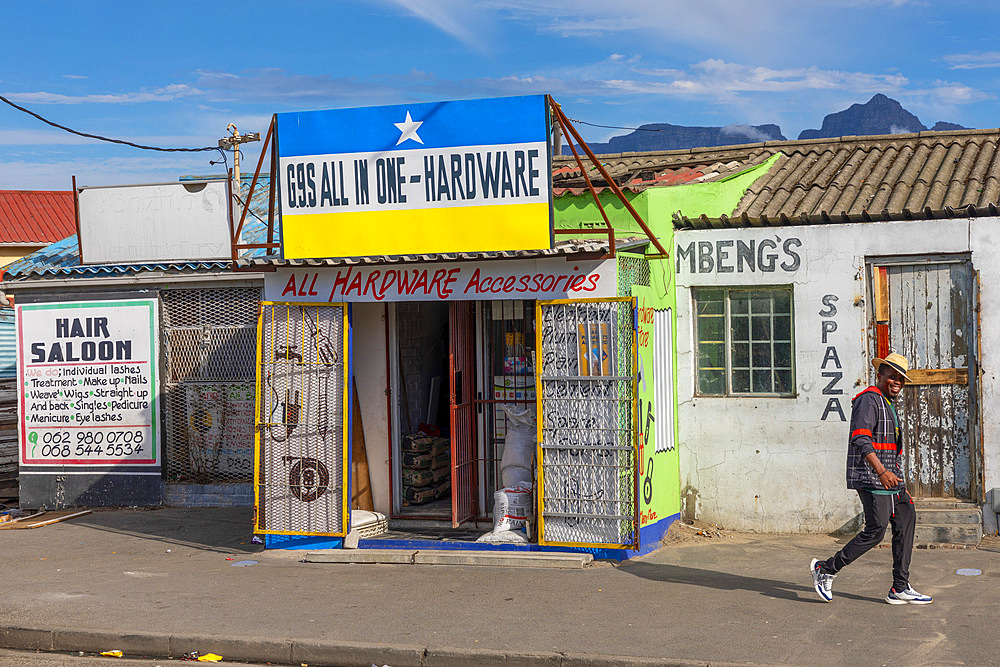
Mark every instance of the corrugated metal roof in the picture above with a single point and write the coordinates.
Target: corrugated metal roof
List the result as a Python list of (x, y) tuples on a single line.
[(36, 216)]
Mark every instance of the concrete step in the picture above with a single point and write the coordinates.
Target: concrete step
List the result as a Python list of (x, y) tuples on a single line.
[(563, 561), (948, 534), (949, 516), (944, 504)]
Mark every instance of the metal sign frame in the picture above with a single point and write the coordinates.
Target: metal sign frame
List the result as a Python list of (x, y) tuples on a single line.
[(562, 125)]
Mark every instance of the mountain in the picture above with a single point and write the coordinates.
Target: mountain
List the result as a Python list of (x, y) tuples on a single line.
[(880, 115), (665, 137)]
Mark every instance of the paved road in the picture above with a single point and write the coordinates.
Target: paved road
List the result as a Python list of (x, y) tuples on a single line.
[(9, 658), (740, 599)]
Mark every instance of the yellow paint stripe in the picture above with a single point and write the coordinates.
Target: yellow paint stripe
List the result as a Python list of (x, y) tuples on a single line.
[(458, 229)]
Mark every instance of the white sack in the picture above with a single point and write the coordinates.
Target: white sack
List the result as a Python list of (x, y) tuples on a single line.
[(519, 448)]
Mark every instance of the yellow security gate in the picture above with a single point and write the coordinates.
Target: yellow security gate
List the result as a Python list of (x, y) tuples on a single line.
[(587, 451), (301, 452)]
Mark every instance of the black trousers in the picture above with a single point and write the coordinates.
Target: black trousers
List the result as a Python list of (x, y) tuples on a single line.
[(881, 511)]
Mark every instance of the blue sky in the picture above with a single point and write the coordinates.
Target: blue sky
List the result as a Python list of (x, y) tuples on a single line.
[(176, 74)]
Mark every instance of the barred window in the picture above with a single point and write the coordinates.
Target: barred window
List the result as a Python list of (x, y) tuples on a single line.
[(744, 339)]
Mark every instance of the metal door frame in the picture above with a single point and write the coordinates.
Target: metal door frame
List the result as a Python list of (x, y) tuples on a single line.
[(462, 411), (540, 412), (260, 425)]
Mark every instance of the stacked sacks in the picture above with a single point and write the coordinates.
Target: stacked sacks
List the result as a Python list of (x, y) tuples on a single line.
[(513, 506), (426, 468)]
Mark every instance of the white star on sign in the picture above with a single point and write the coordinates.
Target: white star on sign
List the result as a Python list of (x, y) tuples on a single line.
[(409, 129)]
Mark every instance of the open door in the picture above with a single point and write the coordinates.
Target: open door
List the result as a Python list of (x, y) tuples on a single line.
[(461, 396), (588, 450), (301, 443)]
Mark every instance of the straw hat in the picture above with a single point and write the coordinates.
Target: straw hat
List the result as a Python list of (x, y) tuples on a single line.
[(896, 361)]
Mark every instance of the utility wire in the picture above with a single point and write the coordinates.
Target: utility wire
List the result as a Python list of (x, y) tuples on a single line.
[(100, 138), (250, 210), (617, 127)]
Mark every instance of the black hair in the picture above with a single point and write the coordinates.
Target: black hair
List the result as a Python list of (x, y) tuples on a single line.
[(882, 368)]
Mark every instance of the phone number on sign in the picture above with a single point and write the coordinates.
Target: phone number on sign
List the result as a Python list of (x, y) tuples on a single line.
[(101, 443)]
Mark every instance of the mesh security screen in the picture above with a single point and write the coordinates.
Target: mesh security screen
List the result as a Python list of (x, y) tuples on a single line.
[(632, 270), (588, 444), (301, 456), (209, 343)]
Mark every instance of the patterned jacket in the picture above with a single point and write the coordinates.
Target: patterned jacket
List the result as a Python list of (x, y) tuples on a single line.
[(873, 429)]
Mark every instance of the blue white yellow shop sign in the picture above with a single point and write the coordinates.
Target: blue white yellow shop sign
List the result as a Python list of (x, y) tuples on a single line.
[(456, 176)]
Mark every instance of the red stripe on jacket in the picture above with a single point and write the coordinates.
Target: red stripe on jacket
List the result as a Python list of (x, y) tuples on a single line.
[(862, 431), (890, 446)]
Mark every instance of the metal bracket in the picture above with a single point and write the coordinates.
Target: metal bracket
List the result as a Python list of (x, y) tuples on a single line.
[(570, 133)]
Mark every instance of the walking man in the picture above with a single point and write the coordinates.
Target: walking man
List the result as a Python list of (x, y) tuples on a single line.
[(874, 457)]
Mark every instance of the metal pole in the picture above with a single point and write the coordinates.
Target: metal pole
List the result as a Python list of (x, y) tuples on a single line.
[(607, 177)]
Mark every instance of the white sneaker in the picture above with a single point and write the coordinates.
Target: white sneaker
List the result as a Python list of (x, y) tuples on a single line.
[(822, 582), (907, 596)]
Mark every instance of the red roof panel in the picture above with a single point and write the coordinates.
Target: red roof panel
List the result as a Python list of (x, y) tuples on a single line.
[(36, 216)]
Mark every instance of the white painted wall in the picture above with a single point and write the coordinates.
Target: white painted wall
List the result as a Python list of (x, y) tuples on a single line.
[(774, 464), (371, 375)]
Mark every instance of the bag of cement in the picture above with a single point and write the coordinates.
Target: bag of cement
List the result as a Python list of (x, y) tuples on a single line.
[(441, 459), (418, 495), (413, 477), (417, 461), (442, 489), (444, 472), (512, 507), (440, 445), (416, 443), (519, 448)]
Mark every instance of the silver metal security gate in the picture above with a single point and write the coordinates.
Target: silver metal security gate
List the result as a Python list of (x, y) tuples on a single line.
[(301, 465), (587, 456), (209, 340)]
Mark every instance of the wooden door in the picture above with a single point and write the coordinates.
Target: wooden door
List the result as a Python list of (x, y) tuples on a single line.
[(924, 311), (461, 396)]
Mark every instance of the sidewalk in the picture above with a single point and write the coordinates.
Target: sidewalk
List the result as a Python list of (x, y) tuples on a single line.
[(158, 582)]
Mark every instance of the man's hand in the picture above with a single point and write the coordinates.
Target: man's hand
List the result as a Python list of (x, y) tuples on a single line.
[(889, 479)]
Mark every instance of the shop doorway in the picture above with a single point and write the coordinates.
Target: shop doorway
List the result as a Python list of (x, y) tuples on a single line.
[(924, 309), (422, 443), (458, 369)]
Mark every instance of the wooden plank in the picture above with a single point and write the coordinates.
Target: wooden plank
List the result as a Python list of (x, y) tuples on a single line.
[(43, 520), (361, 494), (881, 294), (924, 376)]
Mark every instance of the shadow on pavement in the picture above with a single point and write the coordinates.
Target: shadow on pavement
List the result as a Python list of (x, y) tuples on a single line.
[(727, 581), (211, 529)]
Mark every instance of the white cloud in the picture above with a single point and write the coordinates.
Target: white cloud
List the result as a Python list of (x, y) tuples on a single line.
[(453, 17), (981, 60), (747, 132), (60, 138), (57, 175), (167, 93)]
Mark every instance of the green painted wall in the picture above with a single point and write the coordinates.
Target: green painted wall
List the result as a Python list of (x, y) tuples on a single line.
[(657, 205), (659, 472), (659, 476)]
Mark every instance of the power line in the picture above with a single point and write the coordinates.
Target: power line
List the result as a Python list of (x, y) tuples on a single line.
[(617, 127), (100, 138)]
